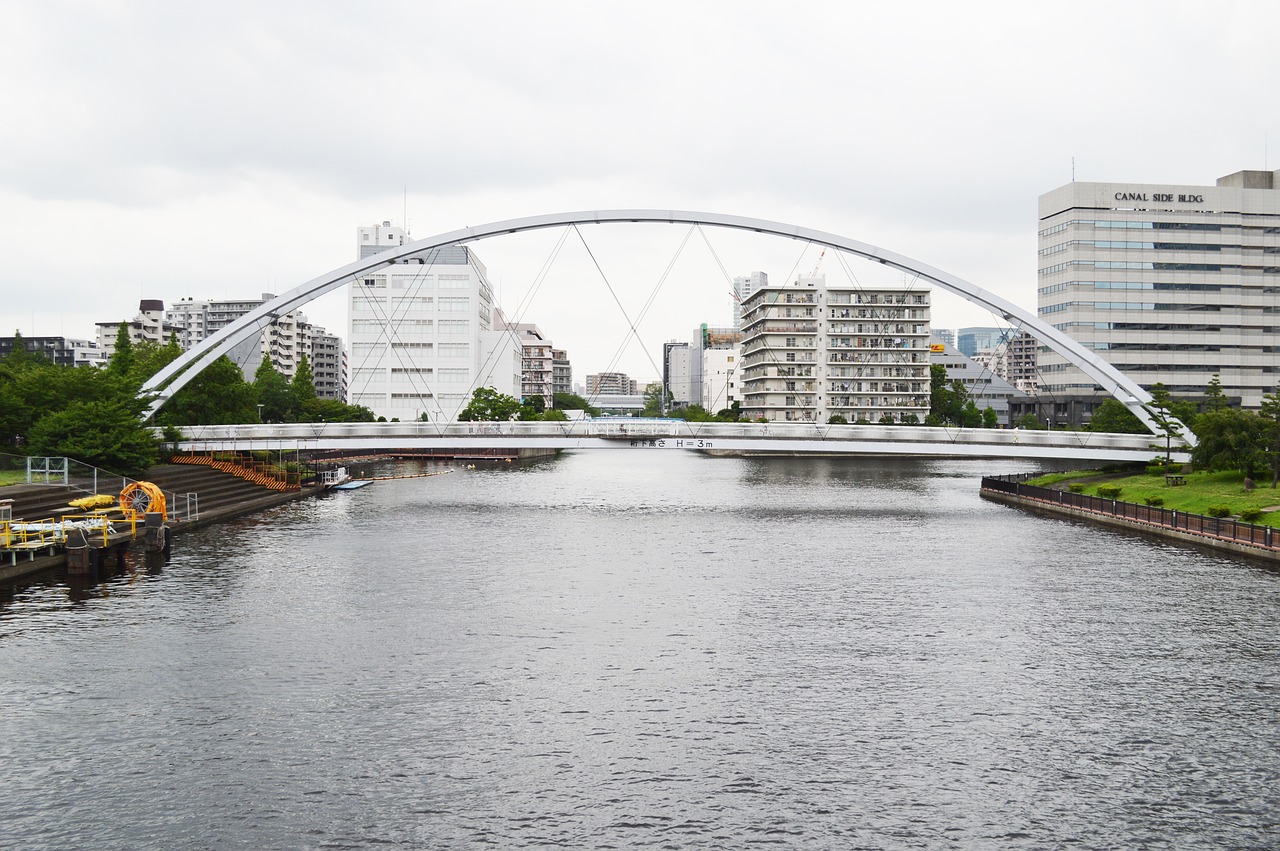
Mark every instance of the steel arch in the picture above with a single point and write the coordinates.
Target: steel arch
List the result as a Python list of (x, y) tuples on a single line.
[(174, 376)]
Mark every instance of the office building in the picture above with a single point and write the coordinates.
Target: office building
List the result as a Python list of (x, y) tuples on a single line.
[(970, 341), (422, 332), (811, 352), (677, 374), (986, 388), (1170, 283)]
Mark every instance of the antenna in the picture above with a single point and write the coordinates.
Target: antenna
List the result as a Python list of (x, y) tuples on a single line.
[(405, 217), (1073, 169)]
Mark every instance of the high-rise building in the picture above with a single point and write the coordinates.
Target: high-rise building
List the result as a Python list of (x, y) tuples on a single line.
[(677, 374), (811, 352), (561, 372), (611, 384), (1170, 283), (537, 361), (970, 341), (743, 287), (148, 326), (422, 332)]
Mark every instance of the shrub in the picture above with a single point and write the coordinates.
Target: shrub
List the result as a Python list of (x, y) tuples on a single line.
[(1076, 488), (1251, 515), (1154, 501), (1109, 491), (1174, 469), (1155, 470), (1218, 511)]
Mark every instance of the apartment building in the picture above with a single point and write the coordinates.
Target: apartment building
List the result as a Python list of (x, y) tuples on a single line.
[(811, 352)]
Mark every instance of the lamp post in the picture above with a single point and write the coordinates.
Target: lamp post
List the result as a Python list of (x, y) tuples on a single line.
[(260, 406)]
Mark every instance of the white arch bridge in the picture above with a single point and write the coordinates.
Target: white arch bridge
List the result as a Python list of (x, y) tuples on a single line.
[(359, 439), (161, 387)]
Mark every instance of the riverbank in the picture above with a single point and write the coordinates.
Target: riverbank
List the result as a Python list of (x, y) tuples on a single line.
[(198, 496), (1222, 535)]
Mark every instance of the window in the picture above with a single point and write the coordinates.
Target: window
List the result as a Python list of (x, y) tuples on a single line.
[(454, 350), (454, 305)]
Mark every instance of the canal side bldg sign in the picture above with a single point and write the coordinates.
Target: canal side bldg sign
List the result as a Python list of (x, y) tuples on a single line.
[(1160, 197)]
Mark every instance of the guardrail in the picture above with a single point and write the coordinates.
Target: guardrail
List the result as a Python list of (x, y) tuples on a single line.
[(1221, 528), (628, 428)]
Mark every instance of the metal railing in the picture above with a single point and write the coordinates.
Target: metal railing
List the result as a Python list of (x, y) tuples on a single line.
[(1223, 528)]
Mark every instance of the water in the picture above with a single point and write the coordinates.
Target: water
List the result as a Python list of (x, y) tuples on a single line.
[(649, 649)]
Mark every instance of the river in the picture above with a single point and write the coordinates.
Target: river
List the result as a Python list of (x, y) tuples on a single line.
[(647, 648)]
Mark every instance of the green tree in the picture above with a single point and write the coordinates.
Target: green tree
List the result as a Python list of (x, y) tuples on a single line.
[(303, 386), (838, 419), (106, 434), (1214, 398), (1270, 432), (990, 419), (273, 393), (1230, 439), (731, 414), (121, 362), (573, 402), (1030, 421), (970, 416), (1161, 413), (1113, 417), (654, 401), (487, 404), (217, 396)]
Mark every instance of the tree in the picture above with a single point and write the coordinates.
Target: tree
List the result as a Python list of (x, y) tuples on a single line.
[(573, 402), (837, 419), (303, 386), (1166, 423), (1270, 415), (487, 404), (1030, 421), (990, 419), (1214, 398), (107, 434), (1230, 439), (121, 362), (217, 396), (654, 403), (970, 416), (1113, 417), (273, 393)]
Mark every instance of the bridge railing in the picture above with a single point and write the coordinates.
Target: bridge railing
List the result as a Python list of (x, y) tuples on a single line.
[(1196, 524), (630, 428)]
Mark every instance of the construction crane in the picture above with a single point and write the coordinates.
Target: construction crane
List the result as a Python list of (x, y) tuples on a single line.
[(814, 274)]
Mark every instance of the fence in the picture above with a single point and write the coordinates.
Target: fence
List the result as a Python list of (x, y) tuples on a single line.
[(1221, 528), (243, 465)]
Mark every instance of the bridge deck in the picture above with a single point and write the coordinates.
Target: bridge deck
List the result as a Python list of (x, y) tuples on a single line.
[(729, 438)]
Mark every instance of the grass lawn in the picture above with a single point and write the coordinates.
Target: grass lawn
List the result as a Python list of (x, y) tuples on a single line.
[(12, 477), (1201, 491)]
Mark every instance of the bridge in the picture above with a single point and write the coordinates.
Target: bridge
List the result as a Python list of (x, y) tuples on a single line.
[(161, 387), (675, 435)]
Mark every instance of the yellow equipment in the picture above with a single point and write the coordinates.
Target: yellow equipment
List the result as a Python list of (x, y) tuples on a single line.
[(138, 498)]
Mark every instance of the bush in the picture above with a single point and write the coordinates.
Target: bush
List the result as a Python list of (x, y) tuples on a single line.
[(1218, 511), (1174, 469), (1154, 501), (1251, 515), (1155, 470), (1076, 488), (1109, 491)]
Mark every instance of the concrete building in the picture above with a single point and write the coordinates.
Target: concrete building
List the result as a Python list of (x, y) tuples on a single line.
[(985, 387), (561, 372), (284, 341), (1170, 283), (811, 352), (59, 350), (611, 384), (537, 361), (677, 374), (719, 377), (743, 287), (148, 326), (422, 332)]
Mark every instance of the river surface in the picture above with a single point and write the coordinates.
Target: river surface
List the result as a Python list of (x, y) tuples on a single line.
[(644, 648)]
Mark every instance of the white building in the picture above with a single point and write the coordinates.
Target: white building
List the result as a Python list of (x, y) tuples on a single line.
[(1170, 283), (811, 352), (743, 288), (422, 332), (720, 377), (537, 359)]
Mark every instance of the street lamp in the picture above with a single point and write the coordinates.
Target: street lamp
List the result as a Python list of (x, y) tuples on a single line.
[(260, 406)]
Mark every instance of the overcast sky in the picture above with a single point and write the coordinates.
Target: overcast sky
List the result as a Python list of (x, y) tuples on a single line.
[(220, 150)]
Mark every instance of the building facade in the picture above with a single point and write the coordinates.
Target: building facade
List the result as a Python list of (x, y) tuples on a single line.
[(59, 350), (811, 352), (611, 384), (985, 387), (1170, 283), (422, 332), (537, 359), (743, 287)]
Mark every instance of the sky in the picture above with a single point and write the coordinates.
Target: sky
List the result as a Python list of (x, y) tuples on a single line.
[(222, 150)]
